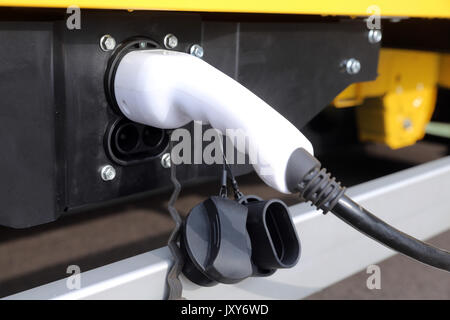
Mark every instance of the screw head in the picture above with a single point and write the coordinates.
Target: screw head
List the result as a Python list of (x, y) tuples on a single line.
[(196, 50), (170, 41), (108, 173), (374, 36), (407, 124), (165, 160), (107, 43), (352, 66)]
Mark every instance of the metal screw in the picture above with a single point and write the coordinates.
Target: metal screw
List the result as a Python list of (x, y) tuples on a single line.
[(352, 66), (165, 160), (196, 50), (417, 102), (107, 43), (375, 36), (407, 124), (108, 173), (142, 45), (170, 41)]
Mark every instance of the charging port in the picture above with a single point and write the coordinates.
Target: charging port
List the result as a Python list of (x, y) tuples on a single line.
[(130, 143)]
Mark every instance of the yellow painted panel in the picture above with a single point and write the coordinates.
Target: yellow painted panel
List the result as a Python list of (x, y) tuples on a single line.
[(350, 97), (408, 8), (399, 104)]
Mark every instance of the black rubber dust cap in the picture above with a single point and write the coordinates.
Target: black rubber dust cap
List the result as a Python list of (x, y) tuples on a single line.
[(273, 235), (216, 244)]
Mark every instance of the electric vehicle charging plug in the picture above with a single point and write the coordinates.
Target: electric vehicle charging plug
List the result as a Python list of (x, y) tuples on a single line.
[(167, 89)]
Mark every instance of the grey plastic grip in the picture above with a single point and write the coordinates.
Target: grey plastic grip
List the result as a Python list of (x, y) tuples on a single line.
[(304, 175)]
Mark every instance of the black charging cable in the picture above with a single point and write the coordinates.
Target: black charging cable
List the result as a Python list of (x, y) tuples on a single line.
[(304, 175), (227, 171), (223, 183)]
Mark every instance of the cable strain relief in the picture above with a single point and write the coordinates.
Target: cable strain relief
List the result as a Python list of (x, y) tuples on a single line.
[(304, 175), (321, 189)]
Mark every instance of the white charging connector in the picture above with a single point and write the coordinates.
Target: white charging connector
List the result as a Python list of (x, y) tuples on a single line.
[(168, 89)]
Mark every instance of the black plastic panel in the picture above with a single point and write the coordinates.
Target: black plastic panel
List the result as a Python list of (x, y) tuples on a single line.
[(293, 66), (27, 117), (54, 113)]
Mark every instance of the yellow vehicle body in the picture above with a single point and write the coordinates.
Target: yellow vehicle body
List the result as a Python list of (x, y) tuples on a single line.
[(399, 8), (395, 108)]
